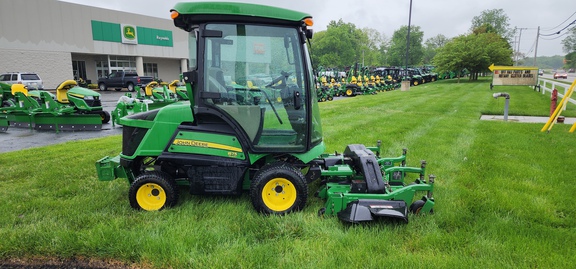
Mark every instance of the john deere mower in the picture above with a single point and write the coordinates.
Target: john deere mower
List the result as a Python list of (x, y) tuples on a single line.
[(220, 143), (154, 96), (72, 108)]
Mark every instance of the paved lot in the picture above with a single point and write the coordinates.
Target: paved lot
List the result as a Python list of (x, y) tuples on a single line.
[(20, 138)]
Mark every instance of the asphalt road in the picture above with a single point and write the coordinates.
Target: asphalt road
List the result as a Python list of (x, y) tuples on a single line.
[(22, 138)]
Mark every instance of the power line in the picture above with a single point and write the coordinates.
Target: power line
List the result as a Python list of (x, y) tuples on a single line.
[(549, 29), (559, 36), (557, 33)]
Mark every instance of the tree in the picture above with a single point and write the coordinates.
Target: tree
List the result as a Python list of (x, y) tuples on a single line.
[(495, 21), (431, 47), (569, 43), (342, 45), (337, 46), (373, 46), (569, 46), (474, 52), (397, 50)]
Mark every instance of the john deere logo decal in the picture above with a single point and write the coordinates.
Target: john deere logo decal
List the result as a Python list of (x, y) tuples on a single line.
[(129, 35), (129, 32)]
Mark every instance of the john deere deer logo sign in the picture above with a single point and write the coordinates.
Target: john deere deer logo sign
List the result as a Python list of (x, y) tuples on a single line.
[(129, 34)]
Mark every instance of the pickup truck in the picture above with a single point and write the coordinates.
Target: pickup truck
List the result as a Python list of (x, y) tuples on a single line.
[(122, 79)]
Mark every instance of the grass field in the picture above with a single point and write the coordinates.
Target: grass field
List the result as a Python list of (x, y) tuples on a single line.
[(504, 196)]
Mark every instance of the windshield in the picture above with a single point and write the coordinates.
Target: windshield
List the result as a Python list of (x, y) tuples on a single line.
[(256, 75)]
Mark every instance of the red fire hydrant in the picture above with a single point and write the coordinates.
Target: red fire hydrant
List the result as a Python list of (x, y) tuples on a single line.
[(553, 100)]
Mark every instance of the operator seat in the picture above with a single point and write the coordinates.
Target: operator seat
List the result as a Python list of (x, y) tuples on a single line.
[(216, 84), (63, 88)]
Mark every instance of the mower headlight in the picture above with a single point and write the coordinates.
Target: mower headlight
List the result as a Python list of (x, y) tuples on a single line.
[(88, 97)]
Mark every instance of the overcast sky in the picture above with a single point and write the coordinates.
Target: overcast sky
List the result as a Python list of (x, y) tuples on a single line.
[(448, 17)]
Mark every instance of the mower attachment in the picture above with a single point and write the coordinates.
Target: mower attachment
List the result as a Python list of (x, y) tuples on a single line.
[(361, 186), (369, 209)]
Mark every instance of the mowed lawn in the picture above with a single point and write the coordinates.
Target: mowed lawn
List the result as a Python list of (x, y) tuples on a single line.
[(504, 196)]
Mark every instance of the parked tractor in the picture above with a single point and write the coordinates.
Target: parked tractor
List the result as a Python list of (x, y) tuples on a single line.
[(221, 143)]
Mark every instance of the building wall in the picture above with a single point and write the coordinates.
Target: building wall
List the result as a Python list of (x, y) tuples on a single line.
[(41, 35), (53, 67)]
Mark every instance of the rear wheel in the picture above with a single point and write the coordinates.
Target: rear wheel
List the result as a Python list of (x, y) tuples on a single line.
[(153, 191), (278, 188), (102, 87), (130, 87), (349, 92)]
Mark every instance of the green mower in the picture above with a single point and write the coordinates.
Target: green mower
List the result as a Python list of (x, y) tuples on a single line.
[(154, 96), (72, 108), (221, 143)]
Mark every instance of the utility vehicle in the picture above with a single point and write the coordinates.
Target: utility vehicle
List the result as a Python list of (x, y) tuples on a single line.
[(225, 141)]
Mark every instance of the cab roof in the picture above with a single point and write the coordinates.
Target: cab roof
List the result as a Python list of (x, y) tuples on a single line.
[(198, 12)]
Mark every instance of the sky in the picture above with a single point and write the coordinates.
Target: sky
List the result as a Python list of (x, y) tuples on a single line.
[(450, 18)]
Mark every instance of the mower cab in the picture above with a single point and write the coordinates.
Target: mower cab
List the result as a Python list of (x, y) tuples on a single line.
[(233, 136)]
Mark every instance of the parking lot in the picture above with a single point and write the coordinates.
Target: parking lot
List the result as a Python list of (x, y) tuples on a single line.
[(22, 138)]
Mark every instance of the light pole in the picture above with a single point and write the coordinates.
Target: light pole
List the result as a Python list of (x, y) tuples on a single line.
[(406, 81)]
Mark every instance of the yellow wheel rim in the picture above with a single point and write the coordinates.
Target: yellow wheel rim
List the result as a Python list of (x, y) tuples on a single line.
[(348, 92), (279, 99), (151, 197), (415, 83), (279, 194)]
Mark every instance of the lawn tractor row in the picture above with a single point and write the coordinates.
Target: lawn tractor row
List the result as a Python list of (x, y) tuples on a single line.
[(72, 108), (363, 80), (241, 132)]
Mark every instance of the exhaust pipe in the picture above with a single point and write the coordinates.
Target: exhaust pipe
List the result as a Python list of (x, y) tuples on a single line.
[(506, 104)]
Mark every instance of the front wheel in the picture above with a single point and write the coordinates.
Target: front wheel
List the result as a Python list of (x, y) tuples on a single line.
[(153, 191), (105, 116), (417, 206), (278, 188), (102, 87)]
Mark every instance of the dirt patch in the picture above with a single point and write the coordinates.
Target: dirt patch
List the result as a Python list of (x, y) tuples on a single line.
[(66, 263)]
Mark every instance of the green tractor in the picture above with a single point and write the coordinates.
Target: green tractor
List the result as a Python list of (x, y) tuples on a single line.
[(222, 143)]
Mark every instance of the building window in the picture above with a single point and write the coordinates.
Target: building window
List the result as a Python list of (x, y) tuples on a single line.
[(79, 69), (151, 69)]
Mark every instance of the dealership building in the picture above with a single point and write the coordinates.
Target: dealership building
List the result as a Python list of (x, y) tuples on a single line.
[(61, 41)]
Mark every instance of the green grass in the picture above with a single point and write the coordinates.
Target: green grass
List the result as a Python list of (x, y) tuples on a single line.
[(503, 196)]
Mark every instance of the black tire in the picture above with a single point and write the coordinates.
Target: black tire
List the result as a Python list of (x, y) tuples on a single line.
[(153, 191), (349, 92), (417, 206), (105, 116), (130, 87), (102, 87), (278, 188)]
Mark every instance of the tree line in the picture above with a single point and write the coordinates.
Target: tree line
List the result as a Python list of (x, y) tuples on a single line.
[(488, 42)]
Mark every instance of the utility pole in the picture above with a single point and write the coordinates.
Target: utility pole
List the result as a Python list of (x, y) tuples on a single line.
[(518, 51), (536, 47)]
